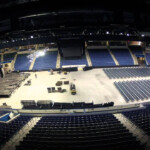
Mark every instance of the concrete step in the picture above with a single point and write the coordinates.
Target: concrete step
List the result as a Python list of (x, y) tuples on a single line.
[(133, 57), (113, 57), (32, 63), (88, 57), (136, 131), (58, 61)]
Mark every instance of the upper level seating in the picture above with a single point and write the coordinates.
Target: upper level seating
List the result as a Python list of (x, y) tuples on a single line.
[(101, 57), (9, 56), (7, 130), (74, 61), (136, 50), (115, 73), (148, 58), (134, 90), (22, 62), (82, 132), (141, 118), (46, 62), (123, 56)]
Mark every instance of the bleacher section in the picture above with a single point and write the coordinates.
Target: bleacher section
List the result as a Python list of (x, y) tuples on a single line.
[(115, 73), (82, 132), (123, 56), (48, 61), (141, 118), (74, 61), (134, 90), (101, 57), (11, 82), (136, 50), (22, 62), (7, 130), (148, 58), (9, 56)]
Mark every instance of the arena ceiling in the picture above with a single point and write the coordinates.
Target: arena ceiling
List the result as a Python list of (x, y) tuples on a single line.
[(43, 14)]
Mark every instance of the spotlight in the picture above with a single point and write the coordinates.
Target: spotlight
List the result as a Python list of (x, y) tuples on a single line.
[(107, 32), (128, 34), (142, 35), (31, 37), (40, 54)]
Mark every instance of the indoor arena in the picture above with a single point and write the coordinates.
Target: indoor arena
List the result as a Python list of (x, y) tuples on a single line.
[(74, 77)]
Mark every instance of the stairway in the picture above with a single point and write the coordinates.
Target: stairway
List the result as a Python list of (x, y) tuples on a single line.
[(13, 64), (137, 132), (133, 57), (88, 58), (32, 63), (113, 57), (58, 60)]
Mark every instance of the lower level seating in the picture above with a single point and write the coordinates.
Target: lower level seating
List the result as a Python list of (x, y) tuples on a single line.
[(22, 62), (134, 90), (82, 132), (48, 61), (123, 56), (74, 61), (101, 57), (148, 58), (9, 56), (115, 73)]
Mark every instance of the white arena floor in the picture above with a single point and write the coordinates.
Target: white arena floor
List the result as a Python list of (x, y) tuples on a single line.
[(92, 85)]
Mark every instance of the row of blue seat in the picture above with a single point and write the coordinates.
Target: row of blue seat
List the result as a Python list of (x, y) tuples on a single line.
[(22, 62), (136, 50), (115, 73), (48, 61), (148, 58), (9, 56), (134, 90), (123, 56), (74, 61), (101, 57)]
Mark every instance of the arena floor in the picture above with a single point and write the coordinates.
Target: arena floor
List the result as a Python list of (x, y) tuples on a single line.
[(92, 85)]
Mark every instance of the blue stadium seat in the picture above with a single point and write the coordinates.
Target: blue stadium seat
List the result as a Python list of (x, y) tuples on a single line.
[(123, 56), (136, 50), (9, 56), (115, 73), (22, 62), (134, 90), (101, 57), (46, 62), (74, 61), (148, 58)]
